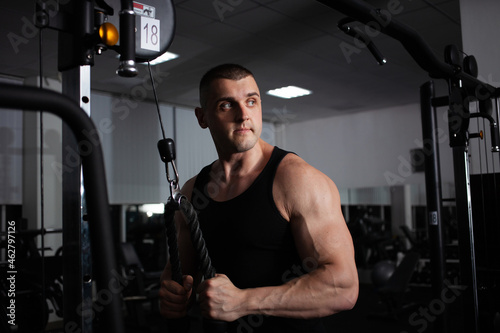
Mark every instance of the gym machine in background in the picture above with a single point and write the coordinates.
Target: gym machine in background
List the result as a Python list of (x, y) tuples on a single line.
[(478, 270), (138, 32), (32, 99)]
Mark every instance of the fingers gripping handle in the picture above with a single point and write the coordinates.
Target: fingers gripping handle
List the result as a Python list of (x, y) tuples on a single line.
[(182, 325)]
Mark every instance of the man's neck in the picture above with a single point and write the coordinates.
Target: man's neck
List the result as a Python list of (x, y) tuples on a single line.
[(240, 165)]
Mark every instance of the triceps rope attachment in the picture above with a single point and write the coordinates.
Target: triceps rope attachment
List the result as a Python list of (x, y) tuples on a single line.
[(175, 202)]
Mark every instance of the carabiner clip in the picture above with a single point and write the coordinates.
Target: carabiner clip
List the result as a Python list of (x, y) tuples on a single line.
[(174, 183), (166, 147)]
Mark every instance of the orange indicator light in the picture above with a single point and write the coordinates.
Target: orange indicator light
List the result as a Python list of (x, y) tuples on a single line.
[(109, 34)]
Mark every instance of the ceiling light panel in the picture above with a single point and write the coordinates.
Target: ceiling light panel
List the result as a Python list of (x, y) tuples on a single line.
[(289, 92)]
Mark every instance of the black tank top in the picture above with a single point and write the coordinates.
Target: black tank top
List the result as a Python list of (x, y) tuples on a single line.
[(249, 240)]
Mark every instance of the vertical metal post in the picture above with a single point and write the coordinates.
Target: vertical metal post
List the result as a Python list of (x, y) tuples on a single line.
[(434, 197), (466, 238), (458, 124), (75, 57), (77, 271)]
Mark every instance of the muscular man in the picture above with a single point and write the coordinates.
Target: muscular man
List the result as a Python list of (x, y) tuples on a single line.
[(272, 224)]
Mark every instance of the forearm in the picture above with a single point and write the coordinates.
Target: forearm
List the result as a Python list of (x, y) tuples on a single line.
[(319, 293)]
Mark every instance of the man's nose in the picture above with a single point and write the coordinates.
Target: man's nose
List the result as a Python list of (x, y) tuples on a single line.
[(243, 112)]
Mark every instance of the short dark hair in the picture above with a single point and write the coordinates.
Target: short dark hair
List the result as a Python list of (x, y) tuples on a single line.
[(225, 71)]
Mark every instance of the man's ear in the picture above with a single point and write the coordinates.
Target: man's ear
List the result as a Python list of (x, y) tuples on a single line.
[(200, 115)]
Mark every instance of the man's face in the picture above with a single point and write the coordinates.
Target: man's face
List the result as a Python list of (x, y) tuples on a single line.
[(233, 113)]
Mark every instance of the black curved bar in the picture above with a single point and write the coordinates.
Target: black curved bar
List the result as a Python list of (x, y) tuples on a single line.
[(103, 253), (343, 25), (410, 39)]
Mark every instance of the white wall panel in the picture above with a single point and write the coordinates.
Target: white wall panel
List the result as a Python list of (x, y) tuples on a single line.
[(130, 133), (195, 147), (368, 149), (11, 154)]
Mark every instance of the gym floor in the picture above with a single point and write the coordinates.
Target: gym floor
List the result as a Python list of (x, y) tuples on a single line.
[(368, 315)]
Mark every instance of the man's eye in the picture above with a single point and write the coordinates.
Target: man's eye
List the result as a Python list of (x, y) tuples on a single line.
[(251, 102), (225, 105)]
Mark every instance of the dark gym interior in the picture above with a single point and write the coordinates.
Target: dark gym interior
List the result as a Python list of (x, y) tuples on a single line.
[(403, 116)]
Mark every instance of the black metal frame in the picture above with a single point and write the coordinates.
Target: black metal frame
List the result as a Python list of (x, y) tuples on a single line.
[(462, 87), (433, 195), (103, 252), (418, 49)]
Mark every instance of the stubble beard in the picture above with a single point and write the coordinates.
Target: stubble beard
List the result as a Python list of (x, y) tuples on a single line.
[(245, 144)]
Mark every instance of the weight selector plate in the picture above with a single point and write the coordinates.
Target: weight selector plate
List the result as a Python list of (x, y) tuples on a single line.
[(154, 26)]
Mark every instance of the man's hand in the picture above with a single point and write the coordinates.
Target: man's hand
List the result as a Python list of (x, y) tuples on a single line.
[(220, 299), (174, 298)]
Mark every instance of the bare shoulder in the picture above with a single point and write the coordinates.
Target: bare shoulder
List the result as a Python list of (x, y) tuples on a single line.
[(294, 172), (299, 186)]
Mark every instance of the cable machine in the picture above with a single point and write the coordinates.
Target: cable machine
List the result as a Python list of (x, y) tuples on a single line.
[(13, 96), (478, 272), (138, 32)]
